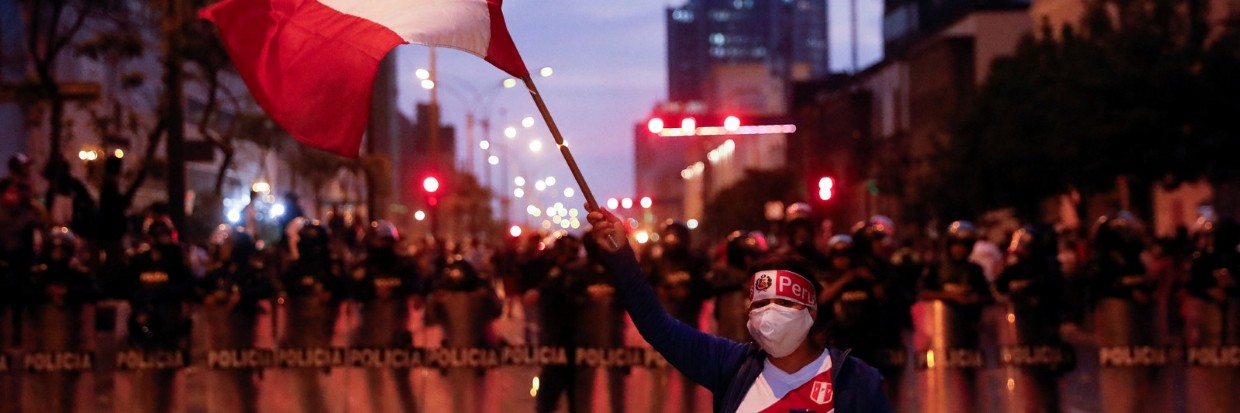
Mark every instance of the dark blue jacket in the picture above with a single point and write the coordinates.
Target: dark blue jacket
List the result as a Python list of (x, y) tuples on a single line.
[(725, 367)]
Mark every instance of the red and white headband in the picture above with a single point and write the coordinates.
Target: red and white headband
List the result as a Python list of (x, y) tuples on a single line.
[(785, 285)]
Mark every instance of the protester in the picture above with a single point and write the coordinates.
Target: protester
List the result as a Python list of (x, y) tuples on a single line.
[(783, 371)]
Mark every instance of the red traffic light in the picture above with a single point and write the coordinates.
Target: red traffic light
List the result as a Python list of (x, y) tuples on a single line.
[(826, 187), (655, 125), (430, 184)]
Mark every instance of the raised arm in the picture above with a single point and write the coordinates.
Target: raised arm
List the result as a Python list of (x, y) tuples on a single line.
[(706, 359)]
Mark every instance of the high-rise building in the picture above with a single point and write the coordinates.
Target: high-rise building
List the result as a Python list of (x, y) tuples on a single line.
[(789, 36), (907, 21)]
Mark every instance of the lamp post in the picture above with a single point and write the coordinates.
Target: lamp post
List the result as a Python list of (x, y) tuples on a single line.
[(478, 105)]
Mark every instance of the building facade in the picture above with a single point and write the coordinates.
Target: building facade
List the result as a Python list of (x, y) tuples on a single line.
[(788, 36)]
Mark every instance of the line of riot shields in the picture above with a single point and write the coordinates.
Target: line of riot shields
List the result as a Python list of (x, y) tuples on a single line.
[(346, 315)]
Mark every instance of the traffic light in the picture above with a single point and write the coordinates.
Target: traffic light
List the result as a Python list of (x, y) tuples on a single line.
[(430, 185), (655, 125), (826, 188)]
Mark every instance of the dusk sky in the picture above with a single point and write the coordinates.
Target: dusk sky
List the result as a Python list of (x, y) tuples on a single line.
[(609, 61)]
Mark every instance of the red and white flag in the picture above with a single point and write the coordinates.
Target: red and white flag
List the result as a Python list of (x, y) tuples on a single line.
[(311, 63)]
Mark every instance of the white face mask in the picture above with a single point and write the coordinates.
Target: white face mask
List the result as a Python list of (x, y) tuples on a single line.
[(778, 329)]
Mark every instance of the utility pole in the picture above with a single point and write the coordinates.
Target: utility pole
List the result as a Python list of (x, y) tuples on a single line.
[(434, 114), (853, 26), (174, 112)]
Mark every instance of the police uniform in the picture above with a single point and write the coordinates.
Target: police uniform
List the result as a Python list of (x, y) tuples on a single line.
[(679, 279), (383, 283), (464, 304), (231, 295), (59, 291), (1212, 316), (314, 286), (600, 325), (730, 284), (1123, 313), (1030, 285), (158, 286)]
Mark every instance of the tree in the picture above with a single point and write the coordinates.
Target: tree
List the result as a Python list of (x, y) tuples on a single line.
[(1080, 110), (467, 208), (51, 27), (742, 206)]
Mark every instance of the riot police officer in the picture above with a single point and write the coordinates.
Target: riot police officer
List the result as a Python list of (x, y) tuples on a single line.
[(384, 282), (1212, 278), (558, 311), (951, 292), (158, 286), (1116, 270), (852, 295), (1212, 314), (954, 279), (231, 293), (314, 286), (801, 235), (600, 324), (730, 282), (58, 293), (678, 275), (463, 303), (19, 220), (1123, 313), (1029, 288), (1030, 284), (874, 248), (896, 272)]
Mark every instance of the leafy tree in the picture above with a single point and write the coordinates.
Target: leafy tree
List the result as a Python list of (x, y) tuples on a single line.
[(466, 208), (51, 28), (742, 206), (1078, 110)]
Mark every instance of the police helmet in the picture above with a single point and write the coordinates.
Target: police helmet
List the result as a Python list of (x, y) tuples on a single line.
[(459, 275), (1119, 231), (1205, 224), (962, 232), (383, 230), (876, 228), (1023, 242), (840, 245), (19, 164), (239, 241), (798, 210), (674, 234), (745, 245), (313, 229), (60, 239), (157, 228)]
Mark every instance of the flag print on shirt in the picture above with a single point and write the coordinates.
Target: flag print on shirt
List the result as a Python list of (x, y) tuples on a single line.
[(816, 395)]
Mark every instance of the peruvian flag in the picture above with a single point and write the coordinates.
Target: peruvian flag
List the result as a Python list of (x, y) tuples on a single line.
[(311, 63)]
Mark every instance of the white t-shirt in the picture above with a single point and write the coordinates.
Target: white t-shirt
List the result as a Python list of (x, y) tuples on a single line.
[(774, 386)]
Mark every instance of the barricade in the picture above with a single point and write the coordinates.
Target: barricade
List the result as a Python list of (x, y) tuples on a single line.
[(1212, 355), (945, 356), (945, 365), (1030, 358)]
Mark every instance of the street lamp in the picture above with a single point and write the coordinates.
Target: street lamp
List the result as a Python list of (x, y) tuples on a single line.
[(478, 104)]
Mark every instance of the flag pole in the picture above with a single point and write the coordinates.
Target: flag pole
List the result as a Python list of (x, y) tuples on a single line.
[(559, 142)]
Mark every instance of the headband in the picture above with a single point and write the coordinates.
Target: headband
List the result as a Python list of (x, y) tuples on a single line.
[(785, 285)]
